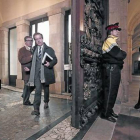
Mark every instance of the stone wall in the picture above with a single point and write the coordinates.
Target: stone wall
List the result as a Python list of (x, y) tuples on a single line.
[(4, 55), (55, 10)]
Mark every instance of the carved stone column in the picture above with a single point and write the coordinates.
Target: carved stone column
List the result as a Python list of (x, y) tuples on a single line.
[(22, 31), (56, 41), (4, 55)]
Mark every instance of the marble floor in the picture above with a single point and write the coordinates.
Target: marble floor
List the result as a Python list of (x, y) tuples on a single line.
[(17, 123)]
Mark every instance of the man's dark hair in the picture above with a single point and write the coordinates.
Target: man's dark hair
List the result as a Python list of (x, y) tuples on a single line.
[(37, 34), (25, 38)]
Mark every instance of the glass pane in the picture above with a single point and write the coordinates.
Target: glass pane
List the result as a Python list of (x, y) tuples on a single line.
[(69, 32), (13, 52), (43, 28)]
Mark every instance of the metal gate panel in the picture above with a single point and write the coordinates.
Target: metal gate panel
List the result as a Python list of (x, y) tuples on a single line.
[(87, 25)]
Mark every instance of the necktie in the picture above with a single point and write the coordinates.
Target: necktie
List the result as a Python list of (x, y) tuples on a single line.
[(39, 53)]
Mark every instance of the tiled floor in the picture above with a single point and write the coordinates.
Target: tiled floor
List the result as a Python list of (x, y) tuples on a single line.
[(61, 96), (62, 131), (16, 122)]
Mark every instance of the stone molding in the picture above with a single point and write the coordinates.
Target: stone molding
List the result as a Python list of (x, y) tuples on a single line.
[(4, 29), (21, 22), (66, 5), (56, 11)]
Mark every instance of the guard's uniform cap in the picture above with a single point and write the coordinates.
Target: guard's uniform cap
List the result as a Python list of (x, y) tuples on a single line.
[(113, 27)]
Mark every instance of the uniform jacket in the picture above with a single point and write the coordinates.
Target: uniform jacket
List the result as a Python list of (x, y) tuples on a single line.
[(112, 53), (24, 57)]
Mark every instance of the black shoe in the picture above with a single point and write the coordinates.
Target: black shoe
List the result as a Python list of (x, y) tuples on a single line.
[(46, 106), (28, 103), (137, 106), (35, 112), (109, 118), (114, 115)]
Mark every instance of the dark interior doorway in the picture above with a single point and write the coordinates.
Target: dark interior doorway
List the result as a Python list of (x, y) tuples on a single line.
[(12, 56), (68, 53), (137, 67)]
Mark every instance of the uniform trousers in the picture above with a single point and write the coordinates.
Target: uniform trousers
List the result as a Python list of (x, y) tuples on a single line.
[(111, 81)]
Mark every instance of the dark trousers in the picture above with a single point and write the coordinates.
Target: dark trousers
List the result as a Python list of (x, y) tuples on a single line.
[(111, 81), (100, 99), (26, 92), (37, 98)]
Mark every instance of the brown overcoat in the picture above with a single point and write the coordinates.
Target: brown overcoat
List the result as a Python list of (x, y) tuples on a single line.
[(25, 58)]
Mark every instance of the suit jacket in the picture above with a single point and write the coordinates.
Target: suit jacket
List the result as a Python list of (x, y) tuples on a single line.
[(49, 71), (24, 57)]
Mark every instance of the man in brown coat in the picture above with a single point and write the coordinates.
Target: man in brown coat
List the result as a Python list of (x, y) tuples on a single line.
[(25, 58)]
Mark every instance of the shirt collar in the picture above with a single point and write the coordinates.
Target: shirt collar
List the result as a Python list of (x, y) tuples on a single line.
[(112, 36), (27, 48), (41, 46)]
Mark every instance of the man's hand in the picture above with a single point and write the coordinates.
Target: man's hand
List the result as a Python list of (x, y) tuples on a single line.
[(26, 69), (47, 64)]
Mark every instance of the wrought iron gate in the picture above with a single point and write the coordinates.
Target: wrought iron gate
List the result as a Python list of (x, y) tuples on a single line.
[(87, 24)]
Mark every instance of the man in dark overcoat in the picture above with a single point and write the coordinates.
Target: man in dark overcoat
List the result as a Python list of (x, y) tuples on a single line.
[(42, 75)]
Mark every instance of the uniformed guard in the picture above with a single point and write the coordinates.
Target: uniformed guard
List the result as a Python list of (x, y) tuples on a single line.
[(113, 57)]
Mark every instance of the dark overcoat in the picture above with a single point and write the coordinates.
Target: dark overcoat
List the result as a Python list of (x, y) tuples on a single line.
[(49, 71)]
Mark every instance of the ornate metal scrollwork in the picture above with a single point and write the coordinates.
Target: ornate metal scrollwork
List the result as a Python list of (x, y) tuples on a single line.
[(91, 44), (86, 114)]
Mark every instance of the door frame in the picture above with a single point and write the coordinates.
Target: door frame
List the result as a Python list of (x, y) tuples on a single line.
[(36, 24)]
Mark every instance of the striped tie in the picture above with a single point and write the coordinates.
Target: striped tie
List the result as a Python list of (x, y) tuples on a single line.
[(39, 53)]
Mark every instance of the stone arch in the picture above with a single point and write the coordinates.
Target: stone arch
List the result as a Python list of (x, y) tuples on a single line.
[(133, 20), (133, 23)]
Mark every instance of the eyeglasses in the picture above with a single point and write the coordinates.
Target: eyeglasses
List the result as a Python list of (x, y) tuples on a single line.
[(29, 40)]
